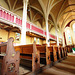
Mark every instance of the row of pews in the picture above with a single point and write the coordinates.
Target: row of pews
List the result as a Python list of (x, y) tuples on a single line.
[(31, 56), (69, 48)]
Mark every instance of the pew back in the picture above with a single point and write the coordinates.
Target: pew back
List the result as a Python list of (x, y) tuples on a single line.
[(53, 54), (3, 48), (25, 49), (42, 49)]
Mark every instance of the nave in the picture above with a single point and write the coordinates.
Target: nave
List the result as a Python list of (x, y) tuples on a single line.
[(36, 36)]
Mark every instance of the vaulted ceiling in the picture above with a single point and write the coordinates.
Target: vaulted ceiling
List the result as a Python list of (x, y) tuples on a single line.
[(59, 12)]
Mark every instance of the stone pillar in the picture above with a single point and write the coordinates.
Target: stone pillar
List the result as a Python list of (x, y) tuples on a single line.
[(47, 33), (63, 40), (57, 38), (24, 20)]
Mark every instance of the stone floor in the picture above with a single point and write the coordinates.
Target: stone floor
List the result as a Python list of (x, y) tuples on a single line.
[(71, 54), (23, 70), (66, 67)]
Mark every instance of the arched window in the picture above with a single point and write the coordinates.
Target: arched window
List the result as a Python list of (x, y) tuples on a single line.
[(68, 35), (74, 28)]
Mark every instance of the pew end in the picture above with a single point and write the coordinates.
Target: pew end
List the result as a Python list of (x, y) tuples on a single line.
[(10, 64), (48, 59)]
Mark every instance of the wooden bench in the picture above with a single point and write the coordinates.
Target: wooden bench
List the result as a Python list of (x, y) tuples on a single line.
[(57, 48), (61, 51), (72, 46), (44, 55), (69, 47), (42, 50), (65, 51), (53, 55), (9, 61), (29, 55)]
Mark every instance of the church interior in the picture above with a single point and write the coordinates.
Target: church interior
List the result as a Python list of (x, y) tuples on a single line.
[(37, 37)]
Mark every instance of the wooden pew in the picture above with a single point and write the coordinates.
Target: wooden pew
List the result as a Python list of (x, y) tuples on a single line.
[(74, 46), (61, 52), (53, 55), (44, 56), (57, 48), (53, 44), (3, 48), (29, 55), (9, 61), (70, 48), (58, 51), (48, 58), (65, 51), (42, 50)]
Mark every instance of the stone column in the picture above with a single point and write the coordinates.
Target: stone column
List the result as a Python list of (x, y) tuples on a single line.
[(47, 33), (63, 40), (24, 20), (57, 38)]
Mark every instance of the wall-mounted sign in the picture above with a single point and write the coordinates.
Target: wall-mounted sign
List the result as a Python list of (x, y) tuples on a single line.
[(17, 36)]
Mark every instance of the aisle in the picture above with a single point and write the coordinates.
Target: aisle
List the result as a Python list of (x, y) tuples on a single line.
[(66, 67)]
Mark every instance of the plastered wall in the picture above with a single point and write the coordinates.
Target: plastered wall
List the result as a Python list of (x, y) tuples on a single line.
[(13, 34), (29, 40), (3, 35)]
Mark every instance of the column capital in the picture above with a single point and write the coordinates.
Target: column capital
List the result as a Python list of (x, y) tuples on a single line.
[(24, 1)]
